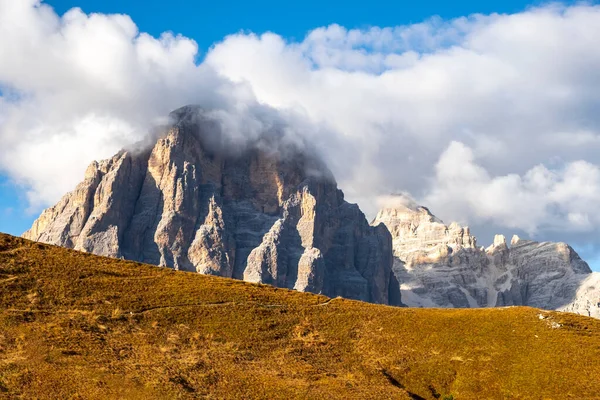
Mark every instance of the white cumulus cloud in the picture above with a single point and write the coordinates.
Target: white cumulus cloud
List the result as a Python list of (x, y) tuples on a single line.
[(564, 199)]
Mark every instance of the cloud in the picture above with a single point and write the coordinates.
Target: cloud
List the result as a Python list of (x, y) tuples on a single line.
[(560, 200), (508, 101), (488, 119)]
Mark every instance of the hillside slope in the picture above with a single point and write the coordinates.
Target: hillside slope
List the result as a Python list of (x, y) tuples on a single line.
[(75, 325)]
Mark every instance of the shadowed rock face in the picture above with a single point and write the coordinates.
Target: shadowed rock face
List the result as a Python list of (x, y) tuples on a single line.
[(441, 266), (268, 211)]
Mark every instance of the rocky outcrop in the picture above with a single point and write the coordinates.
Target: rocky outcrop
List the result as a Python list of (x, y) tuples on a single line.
[(266, 211), (441, 266)]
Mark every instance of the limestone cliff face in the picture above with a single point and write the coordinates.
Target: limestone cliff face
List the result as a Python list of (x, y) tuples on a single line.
[(441, 266), (267, 212)]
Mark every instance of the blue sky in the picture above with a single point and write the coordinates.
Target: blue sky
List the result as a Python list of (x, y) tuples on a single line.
[(208, 23), (14, 217)]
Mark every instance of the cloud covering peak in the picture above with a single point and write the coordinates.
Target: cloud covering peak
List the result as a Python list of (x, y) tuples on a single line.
[(491, 120)]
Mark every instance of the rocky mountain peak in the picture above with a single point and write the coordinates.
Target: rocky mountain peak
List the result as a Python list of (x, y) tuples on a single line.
[(441, 266), (253, 204), (402, 208), (499, 244), (418, 234)]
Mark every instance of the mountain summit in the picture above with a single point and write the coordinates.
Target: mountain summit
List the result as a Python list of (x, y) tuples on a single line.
[(440, 265), (264, 209)]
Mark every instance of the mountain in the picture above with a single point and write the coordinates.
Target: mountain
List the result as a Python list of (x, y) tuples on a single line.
[(265, 210), (441, 266), (75, 325)]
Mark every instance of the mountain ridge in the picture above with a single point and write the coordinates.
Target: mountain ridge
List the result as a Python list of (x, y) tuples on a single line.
[(441, 265)]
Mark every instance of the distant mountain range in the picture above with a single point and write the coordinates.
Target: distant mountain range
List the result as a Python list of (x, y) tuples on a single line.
[(441, 266), (269, 211)]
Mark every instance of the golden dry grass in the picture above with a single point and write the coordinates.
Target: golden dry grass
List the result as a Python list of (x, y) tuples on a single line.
[(73, 325)]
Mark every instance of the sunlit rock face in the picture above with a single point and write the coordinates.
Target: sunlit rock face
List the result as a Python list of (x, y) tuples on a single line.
[(264, 210), (441, 266)]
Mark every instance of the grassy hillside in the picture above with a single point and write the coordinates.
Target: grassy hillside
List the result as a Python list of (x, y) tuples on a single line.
[(74, 325)]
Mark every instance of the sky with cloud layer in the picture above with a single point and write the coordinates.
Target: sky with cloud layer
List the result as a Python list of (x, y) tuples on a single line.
[(489, 119)]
